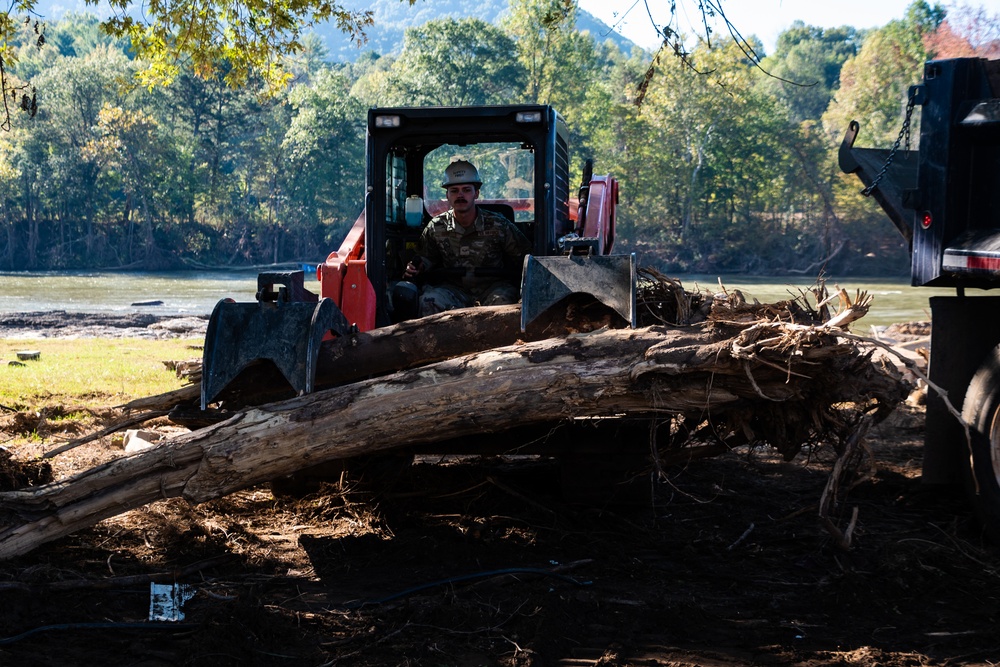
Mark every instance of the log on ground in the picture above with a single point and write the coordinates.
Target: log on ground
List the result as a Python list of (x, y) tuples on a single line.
[(758, 378), (393, 348)]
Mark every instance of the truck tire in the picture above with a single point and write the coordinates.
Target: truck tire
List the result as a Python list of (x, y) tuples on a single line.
[(981, 410)]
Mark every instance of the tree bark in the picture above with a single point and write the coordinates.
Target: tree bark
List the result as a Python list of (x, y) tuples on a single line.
[(651, 371), (416, 343)]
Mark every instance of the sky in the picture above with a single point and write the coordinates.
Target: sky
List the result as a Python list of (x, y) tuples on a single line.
[(764, 18)]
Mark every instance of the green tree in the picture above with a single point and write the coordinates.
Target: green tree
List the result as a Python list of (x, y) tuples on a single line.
[(16, 28), (60, 179), (558, 61), (714, 176), (583, 80), (451, 63), (210, 117), (310, 60), (874, 83), (10, 178), (806, 67), (873, 90), (136, 158), (242, 38), (372, 80), (324, 146)]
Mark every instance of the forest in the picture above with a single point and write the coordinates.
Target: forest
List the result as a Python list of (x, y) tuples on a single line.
[(726, 158)]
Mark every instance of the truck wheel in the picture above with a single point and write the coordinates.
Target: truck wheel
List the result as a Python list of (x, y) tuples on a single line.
[(981, 411)]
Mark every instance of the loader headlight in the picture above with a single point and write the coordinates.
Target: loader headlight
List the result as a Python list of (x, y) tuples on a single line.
[(387, 121), (528, 117)]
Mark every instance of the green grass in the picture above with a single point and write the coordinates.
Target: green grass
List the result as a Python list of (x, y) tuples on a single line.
[(90, 372)]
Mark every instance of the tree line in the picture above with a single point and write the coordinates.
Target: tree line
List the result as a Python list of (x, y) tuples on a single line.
[(726, 164)]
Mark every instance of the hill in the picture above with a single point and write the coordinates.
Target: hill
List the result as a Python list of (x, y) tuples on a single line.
[(392, 18)]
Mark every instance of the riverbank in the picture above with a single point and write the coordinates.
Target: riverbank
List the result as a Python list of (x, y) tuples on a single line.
[(64, 324)]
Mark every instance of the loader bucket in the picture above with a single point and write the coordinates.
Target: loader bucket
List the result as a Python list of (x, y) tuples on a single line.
[(286, 333), (548, 280)]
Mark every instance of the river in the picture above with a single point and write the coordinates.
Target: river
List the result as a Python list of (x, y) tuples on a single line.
[(197, 292)]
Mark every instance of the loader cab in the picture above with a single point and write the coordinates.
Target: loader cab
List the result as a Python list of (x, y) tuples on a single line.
[(522, 157)]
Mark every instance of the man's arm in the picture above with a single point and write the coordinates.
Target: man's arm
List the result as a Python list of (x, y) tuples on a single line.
[(428, 254)]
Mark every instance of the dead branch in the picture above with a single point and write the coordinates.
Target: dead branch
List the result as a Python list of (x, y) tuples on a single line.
[(119, 425)]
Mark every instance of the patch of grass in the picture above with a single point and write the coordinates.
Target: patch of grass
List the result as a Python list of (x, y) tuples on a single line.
[(89, 372)]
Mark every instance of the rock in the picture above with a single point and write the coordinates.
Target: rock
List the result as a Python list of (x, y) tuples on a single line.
[(137, 440), (182, 325), (904, 329), (62, 324)]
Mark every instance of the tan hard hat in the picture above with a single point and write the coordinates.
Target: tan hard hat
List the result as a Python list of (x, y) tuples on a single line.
[(459, 172)]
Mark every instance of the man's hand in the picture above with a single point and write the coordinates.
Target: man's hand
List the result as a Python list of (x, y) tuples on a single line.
[(414, 268)]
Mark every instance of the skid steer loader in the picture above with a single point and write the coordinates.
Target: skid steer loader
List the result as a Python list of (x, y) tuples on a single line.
[(523, 158)]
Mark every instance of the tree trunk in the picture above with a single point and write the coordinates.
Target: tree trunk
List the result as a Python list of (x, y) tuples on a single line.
[(406, 345), (767, 378)]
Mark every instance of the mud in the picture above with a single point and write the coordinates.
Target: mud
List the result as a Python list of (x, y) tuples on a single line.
[(63, 324)]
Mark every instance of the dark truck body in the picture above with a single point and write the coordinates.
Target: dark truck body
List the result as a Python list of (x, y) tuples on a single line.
[(944, 198)]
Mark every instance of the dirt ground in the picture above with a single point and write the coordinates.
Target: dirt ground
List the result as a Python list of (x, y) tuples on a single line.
[(483, 562)]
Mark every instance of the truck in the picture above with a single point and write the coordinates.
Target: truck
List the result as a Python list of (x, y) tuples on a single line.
[(944, 199)]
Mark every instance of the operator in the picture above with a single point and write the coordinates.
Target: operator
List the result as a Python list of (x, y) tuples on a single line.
[(466, 237)]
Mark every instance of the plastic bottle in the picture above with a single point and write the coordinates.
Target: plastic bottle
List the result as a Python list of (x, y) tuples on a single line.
[(414, 211)]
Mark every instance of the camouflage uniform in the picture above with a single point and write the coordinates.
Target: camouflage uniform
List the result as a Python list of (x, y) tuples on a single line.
[(486, 243)]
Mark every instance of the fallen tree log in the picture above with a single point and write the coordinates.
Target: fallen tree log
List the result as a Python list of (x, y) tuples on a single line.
[(454, 333), (778, 383), (398, 347)]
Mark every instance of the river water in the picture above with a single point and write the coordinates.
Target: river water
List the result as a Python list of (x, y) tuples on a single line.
[(181, 292), (197, 292)]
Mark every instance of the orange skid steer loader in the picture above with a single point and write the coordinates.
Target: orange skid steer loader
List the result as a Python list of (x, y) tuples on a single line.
[(522, 155)]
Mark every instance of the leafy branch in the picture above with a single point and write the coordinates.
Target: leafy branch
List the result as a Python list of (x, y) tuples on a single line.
[(242, 38), (14, 92)]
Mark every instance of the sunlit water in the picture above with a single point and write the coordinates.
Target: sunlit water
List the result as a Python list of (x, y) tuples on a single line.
[(197, 292), (182, 293)]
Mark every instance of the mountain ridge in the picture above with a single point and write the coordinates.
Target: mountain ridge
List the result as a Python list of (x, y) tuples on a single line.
[(392, 18)]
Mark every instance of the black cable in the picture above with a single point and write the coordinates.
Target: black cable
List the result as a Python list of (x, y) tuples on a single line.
[(355, 605), (466, 577), (98, 626)]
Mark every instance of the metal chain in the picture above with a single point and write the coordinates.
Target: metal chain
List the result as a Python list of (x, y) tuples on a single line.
[(904, 133)]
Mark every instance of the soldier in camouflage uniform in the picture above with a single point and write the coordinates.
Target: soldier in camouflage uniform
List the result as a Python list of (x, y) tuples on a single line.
[(466, 236)]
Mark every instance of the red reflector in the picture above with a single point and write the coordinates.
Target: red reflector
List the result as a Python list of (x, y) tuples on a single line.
[(926, 219), (991, 263)]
